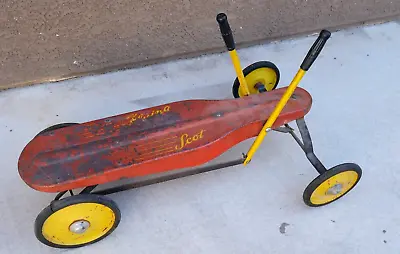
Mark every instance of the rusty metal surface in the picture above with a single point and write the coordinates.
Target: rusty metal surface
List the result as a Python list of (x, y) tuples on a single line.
[(172, 136)]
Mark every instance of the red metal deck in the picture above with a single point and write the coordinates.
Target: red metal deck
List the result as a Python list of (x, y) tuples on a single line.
[(166, 137)]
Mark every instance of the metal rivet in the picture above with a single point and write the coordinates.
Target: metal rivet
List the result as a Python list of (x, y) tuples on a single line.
[(335, 189), (79, 227)]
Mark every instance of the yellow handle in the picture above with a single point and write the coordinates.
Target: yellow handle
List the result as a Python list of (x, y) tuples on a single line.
[(311, 56), (274, 115), (239, 72), (227, 35)]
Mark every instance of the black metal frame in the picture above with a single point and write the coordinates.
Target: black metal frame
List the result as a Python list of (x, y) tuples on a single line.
[(86, 190), (305, 143), (173, 176)]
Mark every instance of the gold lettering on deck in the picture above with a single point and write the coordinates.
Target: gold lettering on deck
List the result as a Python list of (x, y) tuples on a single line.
[(134, 117), (186, 140)]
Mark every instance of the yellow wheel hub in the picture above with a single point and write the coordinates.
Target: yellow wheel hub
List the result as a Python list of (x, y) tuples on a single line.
[(266, 76), (334, 187), (78, 224)]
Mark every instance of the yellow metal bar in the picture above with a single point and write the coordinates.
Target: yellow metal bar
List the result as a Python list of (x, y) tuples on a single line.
[(239, 72), (274, 115)]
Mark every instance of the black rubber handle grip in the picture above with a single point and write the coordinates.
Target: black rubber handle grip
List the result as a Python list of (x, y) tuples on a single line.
[(226, 31), (315, 50)]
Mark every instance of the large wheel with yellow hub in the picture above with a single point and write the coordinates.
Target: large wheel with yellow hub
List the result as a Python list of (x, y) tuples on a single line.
[(332, 185), (77, 221), (259, 76)]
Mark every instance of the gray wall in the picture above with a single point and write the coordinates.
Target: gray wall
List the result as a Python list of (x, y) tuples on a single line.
[(54, 39)]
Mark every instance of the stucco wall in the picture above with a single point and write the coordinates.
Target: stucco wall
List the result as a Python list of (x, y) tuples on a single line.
[(54, 39)]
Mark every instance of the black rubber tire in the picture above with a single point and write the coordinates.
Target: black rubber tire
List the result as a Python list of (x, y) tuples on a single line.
[(60, 204), (55, 127), (328, 174), (252, 67)]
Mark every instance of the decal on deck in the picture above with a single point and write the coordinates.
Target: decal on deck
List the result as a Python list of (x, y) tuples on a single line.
[(132, 118), (186, 139)]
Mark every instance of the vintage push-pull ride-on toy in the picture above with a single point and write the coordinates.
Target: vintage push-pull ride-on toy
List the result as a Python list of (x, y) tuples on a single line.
[(178, 135)]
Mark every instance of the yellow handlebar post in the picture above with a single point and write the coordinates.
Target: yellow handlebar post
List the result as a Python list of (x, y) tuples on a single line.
[(305, 66), (239, 72), (226, 33), (274, 115)]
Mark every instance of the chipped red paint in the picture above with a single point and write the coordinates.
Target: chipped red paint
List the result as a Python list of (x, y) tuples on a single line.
[(167, 137)]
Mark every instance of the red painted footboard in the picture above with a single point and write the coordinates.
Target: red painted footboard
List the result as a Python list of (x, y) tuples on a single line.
[(166, 137)]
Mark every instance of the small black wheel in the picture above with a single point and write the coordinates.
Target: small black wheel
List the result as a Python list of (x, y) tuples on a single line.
[(332, 184), (55, 127), (77, 221), (260, 76)]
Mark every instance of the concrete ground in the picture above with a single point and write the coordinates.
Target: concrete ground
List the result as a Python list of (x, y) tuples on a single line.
[(54, 40), (254, 209)]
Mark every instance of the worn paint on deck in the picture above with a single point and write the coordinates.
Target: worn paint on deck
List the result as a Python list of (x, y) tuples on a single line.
[(166, 137)]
